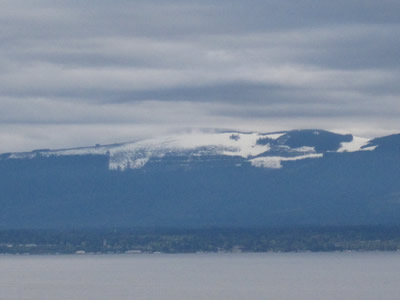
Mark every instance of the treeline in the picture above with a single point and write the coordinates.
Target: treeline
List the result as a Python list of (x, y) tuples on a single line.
[(200, 240)]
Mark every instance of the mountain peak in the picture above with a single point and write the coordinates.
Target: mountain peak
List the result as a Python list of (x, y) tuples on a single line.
[(259, 149), (298, 177)]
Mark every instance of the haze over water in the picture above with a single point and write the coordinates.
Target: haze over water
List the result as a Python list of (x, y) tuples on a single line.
[(202, 276)]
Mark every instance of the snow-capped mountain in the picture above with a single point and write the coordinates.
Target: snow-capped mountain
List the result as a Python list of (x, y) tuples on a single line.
[(260, 150), (220, 179)]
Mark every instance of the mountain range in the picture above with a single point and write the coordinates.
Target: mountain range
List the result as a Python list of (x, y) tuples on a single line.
[(206, 179)]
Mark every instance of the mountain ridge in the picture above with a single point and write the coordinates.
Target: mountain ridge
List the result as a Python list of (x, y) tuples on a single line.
[(131, 155), (298, 178)]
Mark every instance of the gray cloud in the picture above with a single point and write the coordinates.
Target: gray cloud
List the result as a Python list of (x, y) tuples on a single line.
[(102, 71)]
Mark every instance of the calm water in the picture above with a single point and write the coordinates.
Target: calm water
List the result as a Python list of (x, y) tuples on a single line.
[(202, 276)]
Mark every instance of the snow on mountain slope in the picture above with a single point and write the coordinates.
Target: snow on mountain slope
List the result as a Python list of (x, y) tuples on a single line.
[(274, 162), (261, 150), (357, 144)]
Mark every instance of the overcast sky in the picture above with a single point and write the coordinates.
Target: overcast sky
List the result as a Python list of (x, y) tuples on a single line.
[(76, 72)]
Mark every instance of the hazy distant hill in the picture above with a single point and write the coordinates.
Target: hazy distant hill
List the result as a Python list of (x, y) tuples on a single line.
[(222, 179)]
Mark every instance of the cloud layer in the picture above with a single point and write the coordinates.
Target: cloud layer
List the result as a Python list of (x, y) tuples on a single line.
[(76, 73)]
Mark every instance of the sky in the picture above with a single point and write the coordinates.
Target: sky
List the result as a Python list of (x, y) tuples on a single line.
[(84, 72)]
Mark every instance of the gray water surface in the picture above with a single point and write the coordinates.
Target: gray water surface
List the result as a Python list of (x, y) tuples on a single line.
[(202, 276)]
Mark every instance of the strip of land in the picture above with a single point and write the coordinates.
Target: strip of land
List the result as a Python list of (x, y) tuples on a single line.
[(200, 240)]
